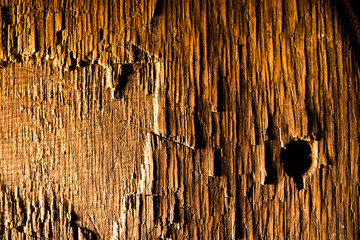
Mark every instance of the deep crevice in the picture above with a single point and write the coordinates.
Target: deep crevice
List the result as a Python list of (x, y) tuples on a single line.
[(269, 165), (122, 80)]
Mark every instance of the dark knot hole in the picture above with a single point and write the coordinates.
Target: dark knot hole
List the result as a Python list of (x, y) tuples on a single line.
[(297, 160)]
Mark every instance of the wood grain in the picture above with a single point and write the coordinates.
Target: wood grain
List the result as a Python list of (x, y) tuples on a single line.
[(166, 119)]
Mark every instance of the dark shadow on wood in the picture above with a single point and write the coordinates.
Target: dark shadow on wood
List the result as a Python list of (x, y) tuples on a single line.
[(349, 12), (218, 163), (122, 79), (200, 141), (159, 6), (269, 165), (239, 228)]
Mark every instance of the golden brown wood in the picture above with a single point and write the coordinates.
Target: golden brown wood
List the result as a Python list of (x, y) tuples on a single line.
[(169, 119)]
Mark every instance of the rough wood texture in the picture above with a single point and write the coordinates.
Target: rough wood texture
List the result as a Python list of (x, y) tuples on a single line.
[(169, 119)]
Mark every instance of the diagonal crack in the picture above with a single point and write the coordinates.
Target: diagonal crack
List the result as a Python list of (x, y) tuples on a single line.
[(173, 141)]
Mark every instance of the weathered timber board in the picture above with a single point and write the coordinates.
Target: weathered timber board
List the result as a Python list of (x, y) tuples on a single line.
[(169, 119)]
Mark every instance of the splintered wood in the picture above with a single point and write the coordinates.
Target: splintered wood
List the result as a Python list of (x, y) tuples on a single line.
[(168, 119)]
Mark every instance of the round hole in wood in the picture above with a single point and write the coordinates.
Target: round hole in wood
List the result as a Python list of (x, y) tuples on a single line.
[(296, 158)]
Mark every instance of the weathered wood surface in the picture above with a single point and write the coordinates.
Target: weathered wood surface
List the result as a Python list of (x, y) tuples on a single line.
[(167, 119)]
